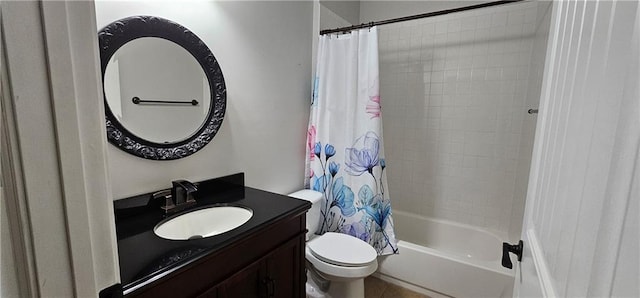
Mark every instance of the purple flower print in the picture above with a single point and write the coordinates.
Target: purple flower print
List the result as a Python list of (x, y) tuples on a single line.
[(356, 229), (363, 159)]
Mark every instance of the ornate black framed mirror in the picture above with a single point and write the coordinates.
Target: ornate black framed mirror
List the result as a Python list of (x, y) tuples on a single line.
[(164, 92)]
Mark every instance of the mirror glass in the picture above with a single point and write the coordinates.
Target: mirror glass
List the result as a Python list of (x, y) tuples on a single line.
[(171, 87), (164, 91)]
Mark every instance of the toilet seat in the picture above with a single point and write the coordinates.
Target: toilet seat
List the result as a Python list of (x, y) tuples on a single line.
[(340, 256), (342, 250)]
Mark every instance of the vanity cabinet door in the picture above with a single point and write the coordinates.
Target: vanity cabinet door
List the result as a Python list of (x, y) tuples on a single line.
[(278, 274), (246, 283), (285, 270)]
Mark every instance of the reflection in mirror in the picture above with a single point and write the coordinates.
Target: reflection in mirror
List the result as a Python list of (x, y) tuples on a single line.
[(153, 68)]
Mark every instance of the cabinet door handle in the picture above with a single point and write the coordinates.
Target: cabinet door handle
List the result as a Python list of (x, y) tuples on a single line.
[(271, 286)]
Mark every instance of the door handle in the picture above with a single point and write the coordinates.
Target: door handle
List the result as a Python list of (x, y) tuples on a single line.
[(509, 248)]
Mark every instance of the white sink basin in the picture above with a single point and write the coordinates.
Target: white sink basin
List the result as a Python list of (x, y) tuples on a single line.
[(203, 223)]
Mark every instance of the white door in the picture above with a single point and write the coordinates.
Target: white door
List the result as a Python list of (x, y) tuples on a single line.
[(580, 230), (54, 168)]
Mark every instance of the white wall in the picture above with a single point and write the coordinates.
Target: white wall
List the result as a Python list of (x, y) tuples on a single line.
[(371, 11), (264, 50), (347, 10), (331, 20), (453, 89)]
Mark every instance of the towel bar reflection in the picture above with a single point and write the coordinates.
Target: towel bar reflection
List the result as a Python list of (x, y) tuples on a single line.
[(137, 100)]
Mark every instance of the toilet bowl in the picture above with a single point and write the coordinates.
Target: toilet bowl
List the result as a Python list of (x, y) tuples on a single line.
[(336, 263)]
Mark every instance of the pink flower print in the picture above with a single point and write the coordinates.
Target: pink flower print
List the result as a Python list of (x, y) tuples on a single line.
[(374, 108), (311, 141)]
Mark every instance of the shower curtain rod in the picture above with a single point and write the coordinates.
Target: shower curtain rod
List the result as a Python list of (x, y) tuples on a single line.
[(415, 17)]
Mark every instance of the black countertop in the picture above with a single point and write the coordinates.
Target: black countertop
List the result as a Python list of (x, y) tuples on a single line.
[(146, 258)]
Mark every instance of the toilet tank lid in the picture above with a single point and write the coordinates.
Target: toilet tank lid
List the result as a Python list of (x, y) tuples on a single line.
[(308, 195)]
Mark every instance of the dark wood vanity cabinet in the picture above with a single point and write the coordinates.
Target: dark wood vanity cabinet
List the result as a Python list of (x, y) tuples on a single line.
[(275, 275), (266, 263)]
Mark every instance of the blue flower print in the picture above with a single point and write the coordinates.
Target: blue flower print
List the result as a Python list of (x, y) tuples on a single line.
[(367, 216), (318, 182), (374, 206), (381, 214), (329, 151), (366, 197), (317, 149), (334, 168), (364, 159), (342, 197)]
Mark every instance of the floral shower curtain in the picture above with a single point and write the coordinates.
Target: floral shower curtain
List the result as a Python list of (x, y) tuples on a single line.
[(345, 156)]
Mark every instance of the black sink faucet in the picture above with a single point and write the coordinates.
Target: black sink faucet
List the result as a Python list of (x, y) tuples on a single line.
[(182, 192)]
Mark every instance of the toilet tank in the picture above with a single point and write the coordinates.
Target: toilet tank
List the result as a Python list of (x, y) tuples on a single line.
[(313, 215)]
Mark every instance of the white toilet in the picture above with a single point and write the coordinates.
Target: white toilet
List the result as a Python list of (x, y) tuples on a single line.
[(336, 263)]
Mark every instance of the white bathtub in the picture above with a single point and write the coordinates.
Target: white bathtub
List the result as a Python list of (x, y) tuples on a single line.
[(447, 258)]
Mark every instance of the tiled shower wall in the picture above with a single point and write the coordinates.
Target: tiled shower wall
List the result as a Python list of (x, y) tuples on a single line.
[(453, 89)]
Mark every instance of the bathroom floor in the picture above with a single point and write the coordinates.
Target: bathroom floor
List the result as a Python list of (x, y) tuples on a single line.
[(377, 288)]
